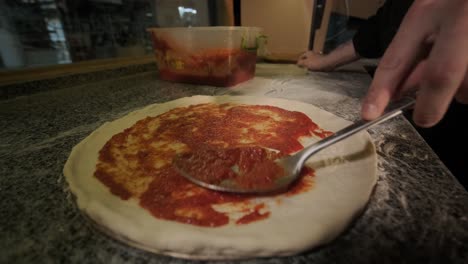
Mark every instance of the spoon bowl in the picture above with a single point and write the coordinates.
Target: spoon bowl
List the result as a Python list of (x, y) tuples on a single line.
[(290, 167)]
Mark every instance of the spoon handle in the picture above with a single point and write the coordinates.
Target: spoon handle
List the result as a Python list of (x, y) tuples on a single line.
[(392, 111)]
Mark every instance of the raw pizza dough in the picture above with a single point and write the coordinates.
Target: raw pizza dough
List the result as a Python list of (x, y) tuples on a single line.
[(345, 176)]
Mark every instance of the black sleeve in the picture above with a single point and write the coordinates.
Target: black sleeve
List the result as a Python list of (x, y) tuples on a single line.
[(373, 37), (366, 41)]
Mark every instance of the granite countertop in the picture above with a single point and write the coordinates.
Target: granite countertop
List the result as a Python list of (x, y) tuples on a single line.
[(418, 212)]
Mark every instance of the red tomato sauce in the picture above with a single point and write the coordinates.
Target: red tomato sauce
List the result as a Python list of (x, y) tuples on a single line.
[(253, 216), (201, 128), (115, 188), (248, 167), (219, 67)]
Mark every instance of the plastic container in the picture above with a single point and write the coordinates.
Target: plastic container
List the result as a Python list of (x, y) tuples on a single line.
[(217, 56)]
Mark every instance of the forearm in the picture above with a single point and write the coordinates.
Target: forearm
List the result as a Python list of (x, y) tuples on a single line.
[(342, 55)]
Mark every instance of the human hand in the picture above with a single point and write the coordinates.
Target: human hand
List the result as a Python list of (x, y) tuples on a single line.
[(314, 62), (430, 52)]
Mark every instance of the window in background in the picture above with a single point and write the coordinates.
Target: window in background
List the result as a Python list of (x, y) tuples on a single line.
[(48, 32)]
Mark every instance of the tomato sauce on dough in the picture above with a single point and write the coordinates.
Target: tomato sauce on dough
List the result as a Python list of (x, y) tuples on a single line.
[(247, 167), (137, 163)]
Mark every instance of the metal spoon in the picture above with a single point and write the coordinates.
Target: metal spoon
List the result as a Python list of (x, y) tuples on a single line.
[(293, 164)]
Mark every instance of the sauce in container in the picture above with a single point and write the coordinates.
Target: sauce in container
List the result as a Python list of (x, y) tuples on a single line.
[(218, 56)]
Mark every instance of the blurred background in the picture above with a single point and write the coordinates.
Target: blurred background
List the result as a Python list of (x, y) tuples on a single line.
[(35, 33)]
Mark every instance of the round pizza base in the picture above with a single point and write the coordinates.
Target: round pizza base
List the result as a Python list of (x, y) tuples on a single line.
[(345, 175)]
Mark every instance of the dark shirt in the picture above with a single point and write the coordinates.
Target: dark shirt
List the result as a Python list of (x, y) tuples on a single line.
[(373, 37)]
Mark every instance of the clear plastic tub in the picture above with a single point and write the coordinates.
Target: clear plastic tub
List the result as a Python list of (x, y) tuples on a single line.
[(218, 56)]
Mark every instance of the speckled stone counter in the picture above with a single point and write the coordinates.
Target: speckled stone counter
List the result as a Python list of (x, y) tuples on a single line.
[(418, 212)]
